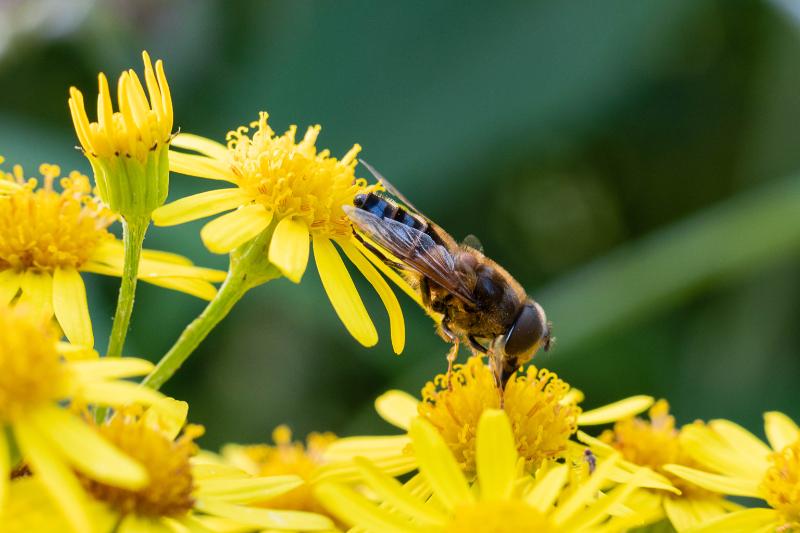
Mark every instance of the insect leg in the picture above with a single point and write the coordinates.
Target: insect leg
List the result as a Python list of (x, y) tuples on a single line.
[(476, 346), (380, 255), (453, 353), (425, 292)]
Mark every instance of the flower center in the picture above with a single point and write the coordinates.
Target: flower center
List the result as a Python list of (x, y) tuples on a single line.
[(167, 462), (288, 457), (782, 484), (542, 422), (653, 444), (44, 229), (498, 517), (30, 368), (292, 179)]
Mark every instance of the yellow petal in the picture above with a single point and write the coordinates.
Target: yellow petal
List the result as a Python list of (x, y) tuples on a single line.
[(686, 513), (392, 492), (396, 323), (165, 257), (10, 282), (397, 407), (228, 232), (743, 441), (195, 287), (266, 518), (342, 293), (110, 368), (168, 415), (5, 469), (578, 499), (289, 248), (149, 268), (86, 450), (112, 393), (200, 166), (76, 352), (246, 490), (495, 455), (747, 521), (212, 149), (438, 465), (37, 292), (547, 489), (711, 450), (71, 307), (353, 508), (390, 273), (615, 411), (729, 485), (60, 482), (199, 206), (133, 523), (372, 448), (780, 429)]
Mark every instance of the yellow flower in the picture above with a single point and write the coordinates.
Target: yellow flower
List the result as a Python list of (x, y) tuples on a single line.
[(185, 491), (37, 378), (284, 458), (296, 192), (654, 444), (497, 503), (128, 149), (48, 237), (741, 464), (543, 410)]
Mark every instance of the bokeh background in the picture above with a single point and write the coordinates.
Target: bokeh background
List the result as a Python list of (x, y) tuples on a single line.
[(636, 165)]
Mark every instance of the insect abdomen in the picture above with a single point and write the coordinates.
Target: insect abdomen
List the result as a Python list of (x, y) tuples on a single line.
[(380, 207)]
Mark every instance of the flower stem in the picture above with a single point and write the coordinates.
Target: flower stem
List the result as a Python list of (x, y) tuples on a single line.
[(249, 268), (133, 231)]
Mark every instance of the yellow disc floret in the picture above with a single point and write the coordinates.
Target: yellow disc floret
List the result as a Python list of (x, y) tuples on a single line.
[(44, 229), (289, 457), (291, 178), (542, 416), (31, 373), (169, 492), (652, 443), (781, 484)]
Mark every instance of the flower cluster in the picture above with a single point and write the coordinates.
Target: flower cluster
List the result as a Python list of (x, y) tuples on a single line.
[(84, 448)]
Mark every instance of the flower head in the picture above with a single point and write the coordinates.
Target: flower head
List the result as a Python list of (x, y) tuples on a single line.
[(542, 408), (38, 381), (128, 148), (500, 501), (733, 461), (286, 457), (47, 237), (184, 490), (289, 188)]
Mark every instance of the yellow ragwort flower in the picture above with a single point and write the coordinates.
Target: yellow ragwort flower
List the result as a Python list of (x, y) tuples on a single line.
[(128, 149), (286, 457), (499, 502), (543, 410), (653, 444), (186, 492), (291, 189), (735, 462), (47, 238), (37, 379)]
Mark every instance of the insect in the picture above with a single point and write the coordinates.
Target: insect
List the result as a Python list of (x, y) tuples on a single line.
[(480, 302)]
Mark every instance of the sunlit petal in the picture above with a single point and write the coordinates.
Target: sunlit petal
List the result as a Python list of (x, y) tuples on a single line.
[(780, 429), (289, 248), (496, 455), (71, 307), (228, 232), (397, 407), (199, 206), (723, 484), (615, 411)]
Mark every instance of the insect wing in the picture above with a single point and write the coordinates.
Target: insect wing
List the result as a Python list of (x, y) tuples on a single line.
[(414, 248), (391, 188)]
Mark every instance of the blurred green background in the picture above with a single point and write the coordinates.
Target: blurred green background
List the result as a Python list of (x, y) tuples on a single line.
[(636, 165)]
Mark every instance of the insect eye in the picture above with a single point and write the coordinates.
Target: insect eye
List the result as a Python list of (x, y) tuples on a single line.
[(360, 200), (528, 332)]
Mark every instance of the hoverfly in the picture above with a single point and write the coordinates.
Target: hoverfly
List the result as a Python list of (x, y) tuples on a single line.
[(480, 302)]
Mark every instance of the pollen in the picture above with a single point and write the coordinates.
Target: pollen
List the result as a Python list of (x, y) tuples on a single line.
[(498, 517), (289, 457), (31, 373), (653, 444), (542, 418), (169, 493), (291, 178), (42, 228), (781, 484)]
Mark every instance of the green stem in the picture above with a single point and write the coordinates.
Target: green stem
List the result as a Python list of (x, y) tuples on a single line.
[(133, 231), (249, 268)]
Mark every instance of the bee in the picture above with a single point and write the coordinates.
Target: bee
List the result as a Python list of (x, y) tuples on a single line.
[(480, 302)]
